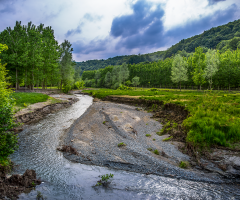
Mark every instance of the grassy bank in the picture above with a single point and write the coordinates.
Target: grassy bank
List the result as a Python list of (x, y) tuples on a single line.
[(23, 99), (214, 118)]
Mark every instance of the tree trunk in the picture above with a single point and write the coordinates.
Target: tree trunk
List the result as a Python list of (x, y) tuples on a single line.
[(180, 86)]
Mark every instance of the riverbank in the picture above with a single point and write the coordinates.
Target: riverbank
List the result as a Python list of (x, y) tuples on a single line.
[(95, 138), (12, 186)]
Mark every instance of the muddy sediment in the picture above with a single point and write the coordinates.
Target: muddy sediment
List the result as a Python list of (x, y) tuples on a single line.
[(40, 113), (16, 184)]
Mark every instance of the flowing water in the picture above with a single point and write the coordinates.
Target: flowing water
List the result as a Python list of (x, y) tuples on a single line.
[(62, 179)]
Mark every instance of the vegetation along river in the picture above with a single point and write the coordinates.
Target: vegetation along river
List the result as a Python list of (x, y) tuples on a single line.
[(63, 179)]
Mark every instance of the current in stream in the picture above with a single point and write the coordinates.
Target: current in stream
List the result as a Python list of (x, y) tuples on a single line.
[(62, 179)]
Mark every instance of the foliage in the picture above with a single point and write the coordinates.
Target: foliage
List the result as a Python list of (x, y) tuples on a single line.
[(32, 56), (168, 138), (135, 81), (156, 152), (212, 62), (198, 63), (8, 140), (104, 180), (184, 164), (121, 144), (123, 87), (179, 70), (148, 135), (79, 84)]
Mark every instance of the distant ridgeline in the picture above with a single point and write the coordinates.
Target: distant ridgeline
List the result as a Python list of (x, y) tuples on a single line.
[(222, 38)]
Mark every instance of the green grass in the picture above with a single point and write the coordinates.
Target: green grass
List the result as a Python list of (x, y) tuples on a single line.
[(214, 115), (166, 139), (121, 144), (184, 164), (148, 135), (24, 99), (156, 152)]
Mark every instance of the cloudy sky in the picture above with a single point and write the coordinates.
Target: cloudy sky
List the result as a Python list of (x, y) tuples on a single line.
[(99, 29)]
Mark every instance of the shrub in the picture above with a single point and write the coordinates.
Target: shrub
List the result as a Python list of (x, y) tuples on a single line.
[(67, 88), (184, 164), (104, 180), (123, 87), (121, 144), (156, 152)]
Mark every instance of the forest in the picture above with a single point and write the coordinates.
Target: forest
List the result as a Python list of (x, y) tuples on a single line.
[(220, 38), (212, 69), (35, 59)]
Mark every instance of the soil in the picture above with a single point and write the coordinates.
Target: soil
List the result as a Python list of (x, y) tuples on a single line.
[(16, 184)]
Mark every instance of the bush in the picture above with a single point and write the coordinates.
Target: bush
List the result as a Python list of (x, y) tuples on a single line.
[(8, 141), (184, 164), (123, 87), (121, 144), (156, 152), (67, 88)]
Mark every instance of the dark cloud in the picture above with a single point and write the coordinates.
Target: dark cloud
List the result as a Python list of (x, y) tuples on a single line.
[(141, 19), (74, 31), (143, 27), (93, 46), (211, 2)]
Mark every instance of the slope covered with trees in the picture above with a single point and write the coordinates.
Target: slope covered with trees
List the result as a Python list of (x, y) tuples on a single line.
[(222, 37)]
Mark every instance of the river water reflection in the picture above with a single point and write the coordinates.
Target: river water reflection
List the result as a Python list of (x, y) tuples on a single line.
[(63, 179)]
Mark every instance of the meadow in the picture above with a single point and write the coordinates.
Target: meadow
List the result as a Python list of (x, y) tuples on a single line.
[(214, 118), (23, 99)]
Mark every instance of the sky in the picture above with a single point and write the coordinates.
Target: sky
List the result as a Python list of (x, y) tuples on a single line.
[(108, 28)]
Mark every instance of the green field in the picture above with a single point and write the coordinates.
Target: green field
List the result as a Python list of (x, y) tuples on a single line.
[(214, 118), (24, 99)]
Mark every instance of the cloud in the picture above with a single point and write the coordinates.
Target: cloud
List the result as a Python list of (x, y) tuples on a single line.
[(196, 27), (211, 2), (141, 28), (74, 31), (92, 18), (93, 46)]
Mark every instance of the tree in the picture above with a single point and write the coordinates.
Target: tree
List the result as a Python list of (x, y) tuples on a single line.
[(107, 80), (198, 62), (135, 81), (179, 70), (66, 65), (8, 140), (97, 77), (212, 62)]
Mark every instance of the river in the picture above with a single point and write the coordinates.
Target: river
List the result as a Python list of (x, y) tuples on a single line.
[(62, 179)]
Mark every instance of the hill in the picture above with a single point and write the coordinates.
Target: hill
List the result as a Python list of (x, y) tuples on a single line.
[(218, 37)]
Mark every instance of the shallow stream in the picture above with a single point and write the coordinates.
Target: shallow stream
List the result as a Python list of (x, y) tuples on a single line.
[(63, 179)]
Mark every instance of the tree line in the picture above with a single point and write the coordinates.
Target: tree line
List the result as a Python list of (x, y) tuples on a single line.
[(211, 69), (221, 38), (35, 59)]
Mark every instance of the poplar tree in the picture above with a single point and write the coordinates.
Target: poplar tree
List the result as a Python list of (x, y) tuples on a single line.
[(198, 63), (107, 79), (179, 70), (212, 62)]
